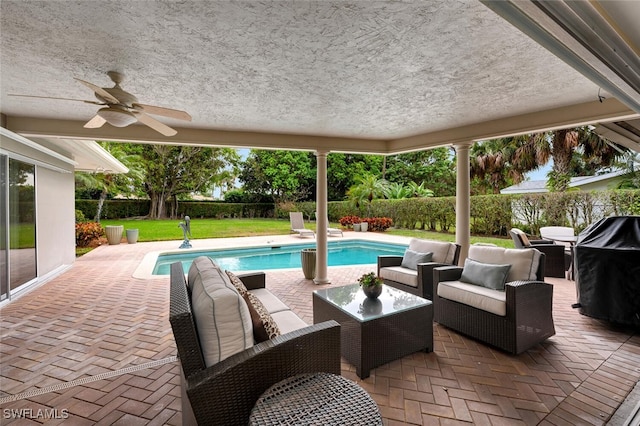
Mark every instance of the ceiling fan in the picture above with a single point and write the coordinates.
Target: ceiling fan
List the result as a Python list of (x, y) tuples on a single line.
[(121, 108)]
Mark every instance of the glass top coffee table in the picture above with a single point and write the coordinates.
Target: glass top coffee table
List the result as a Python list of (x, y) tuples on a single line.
[(376, 331)]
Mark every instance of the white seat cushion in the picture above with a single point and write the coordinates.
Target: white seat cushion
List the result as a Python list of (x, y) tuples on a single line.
[(288, 321), (494, 301), (401, 275), (220, 313), (271, 303)]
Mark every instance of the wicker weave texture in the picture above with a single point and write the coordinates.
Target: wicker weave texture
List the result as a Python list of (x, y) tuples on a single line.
[(315, 399), (528, 321), (425, 274), (375, 342), (226, 392)]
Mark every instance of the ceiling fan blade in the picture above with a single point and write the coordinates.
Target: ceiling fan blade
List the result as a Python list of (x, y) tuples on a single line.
[(154, 124), (165, 112), (100, 91), (95, 122), (61, 99)]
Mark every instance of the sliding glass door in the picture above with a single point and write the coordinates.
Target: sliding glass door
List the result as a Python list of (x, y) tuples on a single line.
[(18, 263)]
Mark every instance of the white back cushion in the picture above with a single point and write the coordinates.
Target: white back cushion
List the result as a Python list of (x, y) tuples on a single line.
[(524, 262), (221, 314), (443, 252)]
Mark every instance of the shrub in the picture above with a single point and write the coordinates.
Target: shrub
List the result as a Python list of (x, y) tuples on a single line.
[(87, 233), (80, 216), (236, 196), (379, 224), (348, 221)]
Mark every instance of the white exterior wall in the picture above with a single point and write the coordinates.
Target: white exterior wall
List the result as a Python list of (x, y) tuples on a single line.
[(55, 204), (55, 220)]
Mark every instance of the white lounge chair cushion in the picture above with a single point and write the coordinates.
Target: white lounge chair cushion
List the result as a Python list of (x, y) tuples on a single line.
[(401, 275), (221, 315), (524, 262), (489, 300)]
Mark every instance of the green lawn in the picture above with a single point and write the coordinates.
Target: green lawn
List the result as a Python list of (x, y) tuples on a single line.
[(161, 230)]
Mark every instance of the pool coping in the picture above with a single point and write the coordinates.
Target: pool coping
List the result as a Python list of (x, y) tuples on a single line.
[(144, 270)]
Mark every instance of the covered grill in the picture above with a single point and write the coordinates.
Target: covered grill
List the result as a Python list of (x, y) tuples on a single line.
[(607, 257)]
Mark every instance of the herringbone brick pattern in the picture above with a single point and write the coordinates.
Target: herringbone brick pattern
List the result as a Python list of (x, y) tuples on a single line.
[(94, 346)]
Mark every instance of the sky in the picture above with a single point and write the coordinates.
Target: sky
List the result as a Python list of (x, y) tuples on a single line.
[(541, 173)]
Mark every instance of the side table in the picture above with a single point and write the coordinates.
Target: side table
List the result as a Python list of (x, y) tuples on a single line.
[(374, 332), (315, 399)]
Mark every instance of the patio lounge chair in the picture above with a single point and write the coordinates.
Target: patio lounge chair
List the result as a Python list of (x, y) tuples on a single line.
[(558, 260), (334, 232), (297, 225)]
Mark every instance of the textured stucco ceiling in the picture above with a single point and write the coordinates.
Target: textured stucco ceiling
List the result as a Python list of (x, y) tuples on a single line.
[(376, 70)]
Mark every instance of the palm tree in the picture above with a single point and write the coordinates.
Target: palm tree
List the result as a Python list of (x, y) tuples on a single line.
[(109, 183), (396, 191), (419, 191), (575, 152), (491, 162), (367, 188)]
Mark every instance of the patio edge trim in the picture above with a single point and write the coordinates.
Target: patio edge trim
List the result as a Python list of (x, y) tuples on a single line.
[(85, 380)]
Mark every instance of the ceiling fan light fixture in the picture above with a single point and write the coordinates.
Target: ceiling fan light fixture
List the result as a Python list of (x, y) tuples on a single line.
[(117, 117)]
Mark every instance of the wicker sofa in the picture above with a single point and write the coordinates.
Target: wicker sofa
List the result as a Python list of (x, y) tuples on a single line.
[(221, 385), (417, 279), (513, 319)]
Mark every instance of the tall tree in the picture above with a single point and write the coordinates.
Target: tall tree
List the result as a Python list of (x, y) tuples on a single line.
[(575, 152), (111, 184), (435, 167), (285, 175), (342, 170), (491, 164), (173, 172)]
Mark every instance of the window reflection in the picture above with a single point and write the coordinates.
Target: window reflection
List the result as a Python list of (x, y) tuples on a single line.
[(22, 223)]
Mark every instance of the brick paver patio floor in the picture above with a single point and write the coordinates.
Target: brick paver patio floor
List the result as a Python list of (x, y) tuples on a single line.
[(94, 346)]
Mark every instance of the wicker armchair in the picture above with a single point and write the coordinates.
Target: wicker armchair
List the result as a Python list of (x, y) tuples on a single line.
[(528, 319), (226, 392), (557, 261), (445, 254)]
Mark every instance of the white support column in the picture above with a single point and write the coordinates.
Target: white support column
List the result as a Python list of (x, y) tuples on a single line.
[(463, 199), (322, 251)]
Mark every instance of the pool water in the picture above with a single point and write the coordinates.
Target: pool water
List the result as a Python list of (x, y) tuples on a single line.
[(352, 252)]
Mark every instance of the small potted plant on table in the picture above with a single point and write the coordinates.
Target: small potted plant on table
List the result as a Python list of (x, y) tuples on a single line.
[(371, 284)]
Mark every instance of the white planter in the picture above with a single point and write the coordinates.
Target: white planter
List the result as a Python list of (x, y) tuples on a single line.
[(364, 226), (356, 227), (132, 236), (114, 234)]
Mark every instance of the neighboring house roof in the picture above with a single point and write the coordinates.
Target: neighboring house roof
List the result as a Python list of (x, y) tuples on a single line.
[(580, 182)]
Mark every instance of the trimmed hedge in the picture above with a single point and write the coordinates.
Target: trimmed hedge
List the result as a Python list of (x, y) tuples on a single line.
[(114, 209), (121, 209), (218, 210), (490, 214)]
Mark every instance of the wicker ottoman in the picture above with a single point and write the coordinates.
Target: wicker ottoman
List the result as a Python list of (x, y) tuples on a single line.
[(315, 399)]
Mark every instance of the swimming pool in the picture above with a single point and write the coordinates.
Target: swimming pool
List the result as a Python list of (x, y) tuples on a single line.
[(351, 252)]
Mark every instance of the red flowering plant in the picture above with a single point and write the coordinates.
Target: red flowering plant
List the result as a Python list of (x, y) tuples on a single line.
[(87, 233), (348, 221)]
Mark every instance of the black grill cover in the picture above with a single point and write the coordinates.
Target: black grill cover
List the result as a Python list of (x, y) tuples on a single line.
[(607, 257)]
